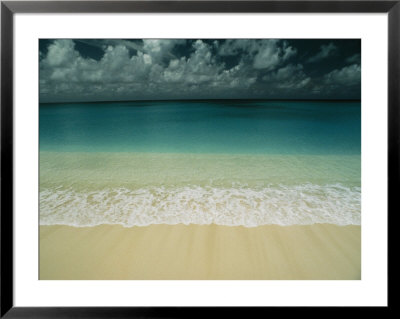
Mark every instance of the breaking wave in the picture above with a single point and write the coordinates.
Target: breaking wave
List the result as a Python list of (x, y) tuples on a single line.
[(233, 206)]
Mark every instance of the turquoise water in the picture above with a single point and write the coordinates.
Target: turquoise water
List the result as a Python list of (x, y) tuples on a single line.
[(232, 163), (244, 127)]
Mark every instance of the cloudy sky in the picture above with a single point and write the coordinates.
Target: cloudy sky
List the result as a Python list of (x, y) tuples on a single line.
[(124, 69)]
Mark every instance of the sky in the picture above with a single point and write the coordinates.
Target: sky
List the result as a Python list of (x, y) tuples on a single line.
[(76, 70)]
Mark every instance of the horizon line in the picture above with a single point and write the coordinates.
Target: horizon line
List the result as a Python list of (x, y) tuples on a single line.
[(188, 100)]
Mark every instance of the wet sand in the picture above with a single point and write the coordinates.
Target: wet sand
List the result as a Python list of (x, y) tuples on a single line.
[(208, 252)]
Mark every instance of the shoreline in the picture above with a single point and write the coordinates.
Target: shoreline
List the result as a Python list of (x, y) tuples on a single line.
[(52, 152), (200, 252)]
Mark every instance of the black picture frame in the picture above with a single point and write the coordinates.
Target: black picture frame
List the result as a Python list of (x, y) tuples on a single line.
[(9, 8)]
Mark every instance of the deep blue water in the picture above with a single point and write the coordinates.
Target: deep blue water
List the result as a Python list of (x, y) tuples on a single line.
[(266, 127)]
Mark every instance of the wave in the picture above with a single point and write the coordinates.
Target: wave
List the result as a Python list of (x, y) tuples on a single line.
[(235, 206)]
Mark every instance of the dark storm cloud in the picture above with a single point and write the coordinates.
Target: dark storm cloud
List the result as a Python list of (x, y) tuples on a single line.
[(123, 69)]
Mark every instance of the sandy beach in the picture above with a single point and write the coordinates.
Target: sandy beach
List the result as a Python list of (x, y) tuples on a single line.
[(208, 252)]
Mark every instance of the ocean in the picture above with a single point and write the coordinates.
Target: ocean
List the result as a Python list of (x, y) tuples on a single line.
[(227, 162)]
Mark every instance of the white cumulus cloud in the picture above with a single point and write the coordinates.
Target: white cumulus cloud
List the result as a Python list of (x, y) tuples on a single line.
[(348, 75), (324, 52)]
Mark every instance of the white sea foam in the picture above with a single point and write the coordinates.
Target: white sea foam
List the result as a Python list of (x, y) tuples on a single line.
[(281, 205)]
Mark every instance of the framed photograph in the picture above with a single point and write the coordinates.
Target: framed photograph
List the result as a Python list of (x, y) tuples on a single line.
[(163, 155)]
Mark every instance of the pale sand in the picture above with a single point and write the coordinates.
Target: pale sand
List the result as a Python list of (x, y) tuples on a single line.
[(200, 252)]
